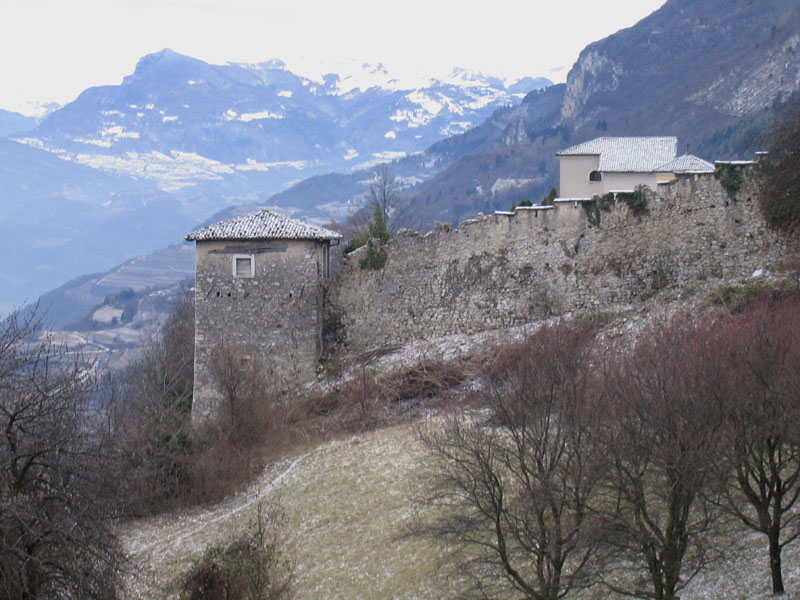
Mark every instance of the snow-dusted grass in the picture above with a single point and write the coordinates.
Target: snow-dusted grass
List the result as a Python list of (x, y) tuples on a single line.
[(348, 520), (349, 502), (161, 549)]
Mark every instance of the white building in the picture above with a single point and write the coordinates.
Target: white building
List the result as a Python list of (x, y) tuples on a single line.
[(613, 164)]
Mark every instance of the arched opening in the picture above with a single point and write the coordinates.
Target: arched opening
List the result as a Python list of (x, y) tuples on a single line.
[(595, 176)]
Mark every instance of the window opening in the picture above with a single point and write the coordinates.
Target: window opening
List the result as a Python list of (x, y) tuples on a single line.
[(595, 176), (326, 261), (243, 265)]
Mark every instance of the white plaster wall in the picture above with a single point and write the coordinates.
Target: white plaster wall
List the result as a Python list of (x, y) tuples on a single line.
[(574, 180), (627, 181)]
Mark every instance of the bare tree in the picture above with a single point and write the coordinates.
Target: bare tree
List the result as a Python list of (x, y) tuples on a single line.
[(764, 423), (54, 536), (388, 215), (383, 195), (662, 426), (248, 389), (149, 408), (519, 490)]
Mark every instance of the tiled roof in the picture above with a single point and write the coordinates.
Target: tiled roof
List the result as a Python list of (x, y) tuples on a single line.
[(263, 225), (627, 154), (688, 163)]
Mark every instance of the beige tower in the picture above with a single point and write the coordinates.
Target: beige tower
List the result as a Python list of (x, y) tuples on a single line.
[(259, 287)]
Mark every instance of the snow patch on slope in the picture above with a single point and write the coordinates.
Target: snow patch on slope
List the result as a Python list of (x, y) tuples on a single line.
[(252, 165), (170, 172), (231, 115)]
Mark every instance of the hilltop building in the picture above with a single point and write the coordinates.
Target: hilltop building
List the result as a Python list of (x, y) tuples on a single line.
[(259, 289), (619, 164)]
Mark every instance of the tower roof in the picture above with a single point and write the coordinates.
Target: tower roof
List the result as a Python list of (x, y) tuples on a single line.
[(263, 225)]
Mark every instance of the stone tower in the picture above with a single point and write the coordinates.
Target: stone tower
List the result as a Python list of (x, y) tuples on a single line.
[(259, 288)]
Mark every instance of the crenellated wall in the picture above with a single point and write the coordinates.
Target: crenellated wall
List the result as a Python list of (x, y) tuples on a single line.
[(511, 268)]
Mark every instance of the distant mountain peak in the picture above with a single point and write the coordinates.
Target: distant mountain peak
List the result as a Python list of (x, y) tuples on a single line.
[(183, 122), (165, 54)]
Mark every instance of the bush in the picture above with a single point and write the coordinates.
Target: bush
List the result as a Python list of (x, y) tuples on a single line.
[(636, 202), (368, 399), (736, 297), (163, 462), (552, 195), (596, 206), (730, 177), (252, 567), (375, 258)]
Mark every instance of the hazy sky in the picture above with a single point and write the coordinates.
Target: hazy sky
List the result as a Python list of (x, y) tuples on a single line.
[(51, 50)]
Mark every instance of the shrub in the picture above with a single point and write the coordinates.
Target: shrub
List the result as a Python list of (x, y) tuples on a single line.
[(730, 177), (736, 297), (368, 399), (252, 567), (163, 462), (376, 256), (521, 203), (552, 195), (597, 205), (636, 202)]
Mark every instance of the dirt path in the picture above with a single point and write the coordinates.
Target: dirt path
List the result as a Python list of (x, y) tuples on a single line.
[(163, 546)]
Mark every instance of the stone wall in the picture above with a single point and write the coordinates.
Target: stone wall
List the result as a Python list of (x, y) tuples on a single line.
[(276, 314), (511, 268)]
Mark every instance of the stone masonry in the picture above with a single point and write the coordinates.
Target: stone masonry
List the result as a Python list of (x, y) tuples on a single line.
[(512, 268), (276, 313)]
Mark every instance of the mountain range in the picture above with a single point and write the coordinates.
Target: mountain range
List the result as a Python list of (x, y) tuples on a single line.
[(254, 128), (126, 169), (709, 71)]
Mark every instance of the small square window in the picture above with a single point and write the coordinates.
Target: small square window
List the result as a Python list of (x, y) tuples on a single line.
[(244, 265)]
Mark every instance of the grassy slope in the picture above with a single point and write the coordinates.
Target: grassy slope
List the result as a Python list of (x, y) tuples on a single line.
[(348, 504), (349, 501)]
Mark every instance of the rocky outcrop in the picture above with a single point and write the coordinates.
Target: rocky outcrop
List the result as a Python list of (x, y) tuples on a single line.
[(594, 72), (515, 133)]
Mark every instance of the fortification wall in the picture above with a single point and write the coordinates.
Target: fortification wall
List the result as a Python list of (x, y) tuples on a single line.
[(511, 268), (275, 315)]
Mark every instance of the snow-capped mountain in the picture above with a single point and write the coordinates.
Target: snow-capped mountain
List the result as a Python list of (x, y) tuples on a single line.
[(180, 139), (179, 121)]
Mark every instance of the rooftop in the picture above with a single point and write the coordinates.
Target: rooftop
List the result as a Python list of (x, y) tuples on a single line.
[(263, 225), (688, 163), (627, 154)]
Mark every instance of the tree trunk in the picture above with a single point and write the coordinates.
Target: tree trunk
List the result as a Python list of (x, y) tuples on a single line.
[(775, 563)]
